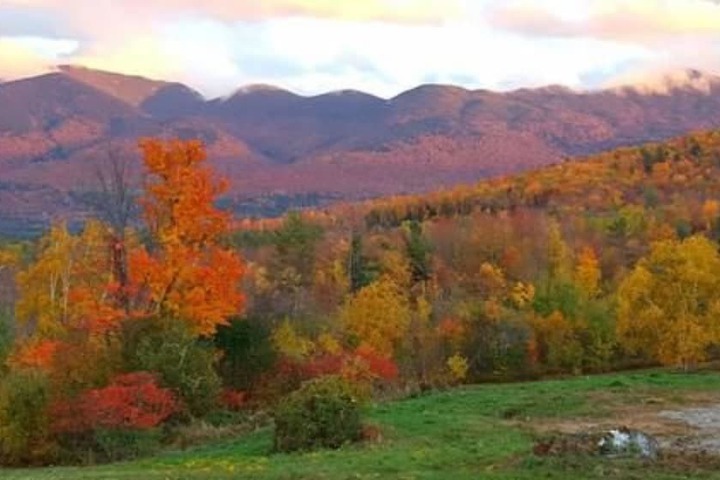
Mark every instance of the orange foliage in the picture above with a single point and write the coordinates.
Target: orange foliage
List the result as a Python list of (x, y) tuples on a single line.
[(178, 203), (38, 354), (188, 276)]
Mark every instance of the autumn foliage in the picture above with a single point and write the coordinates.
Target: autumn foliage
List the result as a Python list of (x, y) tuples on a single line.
[(131, 401), (75, 310), (580, 267), (186, 275)]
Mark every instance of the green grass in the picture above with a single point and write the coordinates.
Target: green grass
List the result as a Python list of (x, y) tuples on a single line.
[(460, 434)]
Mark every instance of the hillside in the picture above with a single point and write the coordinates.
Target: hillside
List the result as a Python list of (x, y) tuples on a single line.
[(281, 149), (586, 267), (477, 432)]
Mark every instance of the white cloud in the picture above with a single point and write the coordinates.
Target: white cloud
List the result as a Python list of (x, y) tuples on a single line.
[(25, 56), (381, 46)]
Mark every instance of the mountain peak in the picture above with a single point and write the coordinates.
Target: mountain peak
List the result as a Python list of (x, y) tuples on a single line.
[(131, 89)]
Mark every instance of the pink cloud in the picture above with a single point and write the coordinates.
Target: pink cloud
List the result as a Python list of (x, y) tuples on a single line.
[(395, 11), (628, 20)]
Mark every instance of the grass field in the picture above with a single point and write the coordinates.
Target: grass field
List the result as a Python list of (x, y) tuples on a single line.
[(477, 432)]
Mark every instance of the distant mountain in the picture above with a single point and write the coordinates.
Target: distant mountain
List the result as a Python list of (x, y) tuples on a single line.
[(281, 149)]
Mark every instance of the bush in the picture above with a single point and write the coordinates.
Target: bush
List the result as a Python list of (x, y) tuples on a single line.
[(24, 428), (131, 402), (323, 413), (118, 422), (184, 363), (247, 352)]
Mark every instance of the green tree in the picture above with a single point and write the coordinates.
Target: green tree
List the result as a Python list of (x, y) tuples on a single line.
[(360, 270), (419, 253)]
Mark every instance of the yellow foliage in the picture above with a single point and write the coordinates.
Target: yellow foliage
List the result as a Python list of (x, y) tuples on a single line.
[(587, 272), (522, 294), (395, 268), (67, 282), (329, 344), (668, 305), (558, 253), (458, 367), (8, 258), (289, 343), (378, 315), (557, 340), (492, 280)]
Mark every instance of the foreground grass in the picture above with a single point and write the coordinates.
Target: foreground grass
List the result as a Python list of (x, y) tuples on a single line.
[(462, 434)]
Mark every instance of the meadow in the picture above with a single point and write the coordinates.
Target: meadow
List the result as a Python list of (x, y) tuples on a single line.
[(484, 431)]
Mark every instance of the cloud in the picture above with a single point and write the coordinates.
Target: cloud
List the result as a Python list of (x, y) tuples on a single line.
[(380, 46), (391, 11), (25, 56), (664, 82), (629, 20)]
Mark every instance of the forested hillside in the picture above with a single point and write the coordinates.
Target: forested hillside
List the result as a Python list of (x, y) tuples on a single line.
[(587, 266)]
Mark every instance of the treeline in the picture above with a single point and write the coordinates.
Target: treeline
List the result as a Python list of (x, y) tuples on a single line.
[(119, 341)]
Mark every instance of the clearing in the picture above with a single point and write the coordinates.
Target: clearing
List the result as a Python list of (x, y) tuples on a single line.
[(485, 431)]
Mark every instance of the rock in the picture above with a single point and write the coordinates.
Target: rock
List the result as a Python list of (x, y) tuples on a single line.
[(623, 441), (617, 442)]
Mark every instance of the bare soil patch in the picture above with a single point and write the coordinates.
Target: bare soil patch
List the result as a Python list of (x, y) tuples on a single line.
[(689, 426)]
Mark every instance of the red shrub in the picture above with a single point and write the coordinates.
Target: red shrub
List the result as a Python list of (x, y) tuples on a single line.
[(132, 401), (379, 366), (324, 365)]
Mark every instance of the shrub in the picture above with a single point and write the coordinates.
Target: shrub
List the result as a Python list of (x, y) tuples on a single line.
[(247, 352), (24, 429), (117, 422), (184, 363), (323, 413), (131, 402)]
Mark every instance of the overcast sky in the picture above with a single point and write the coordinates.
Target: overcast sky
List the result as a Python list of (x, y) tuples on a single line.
[(379, 46)]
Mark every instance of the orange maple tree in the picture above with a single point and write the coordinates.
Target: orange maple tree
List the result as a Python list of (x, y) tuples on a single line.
[(185, 274)]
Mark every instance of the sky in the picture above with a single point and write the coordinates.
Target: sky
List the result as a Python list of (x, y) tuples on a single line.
[(378, 46)]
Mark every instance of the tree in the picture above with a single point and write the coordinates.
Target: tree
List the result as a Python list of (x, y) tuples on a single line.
[(186, 274), (296, 242), (378, 315), (556, 338), (360, 271), (587, 273), (116, 206), (65, 288), (418, 252), (668, 304), (558, 254)]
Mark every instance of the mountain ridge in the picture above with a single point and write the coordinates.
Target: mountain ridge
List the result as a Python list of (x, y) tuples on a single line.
[(347, 145)]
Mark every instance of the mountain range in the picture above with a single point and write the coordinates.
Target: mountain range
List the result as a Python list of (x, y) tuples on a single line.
[(280, 149)]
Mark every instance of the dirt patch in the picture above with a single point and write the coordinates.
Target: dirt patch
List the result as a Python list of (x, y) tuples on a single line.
[(678, 430), (703, 428), (621, 442)]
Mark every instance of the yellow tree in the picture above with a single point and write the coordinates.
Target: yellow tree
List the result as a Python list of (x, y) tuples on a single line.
[(558, 254), (668, 304), (67, 286), (66, 306), (378, 315), (587, 272)]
